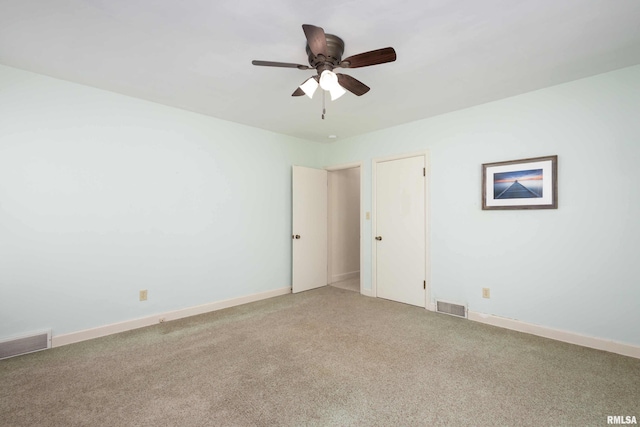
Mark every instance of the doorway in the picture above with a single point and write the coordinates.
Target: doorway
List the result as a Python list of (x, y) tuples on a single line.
[(326, 236), (343, 220)]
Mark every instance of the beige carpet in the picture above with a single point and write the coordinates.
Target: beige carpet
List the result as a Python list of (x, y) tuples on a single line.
[(320, 358)]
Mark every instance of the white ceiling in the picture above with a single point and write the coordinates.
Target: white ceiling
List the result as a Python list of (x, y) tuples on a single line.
[(196, 54)]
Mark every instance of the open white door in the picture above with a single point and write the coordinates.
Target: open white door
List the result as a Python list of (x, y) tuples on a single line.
[(309, 228), (400, 230)]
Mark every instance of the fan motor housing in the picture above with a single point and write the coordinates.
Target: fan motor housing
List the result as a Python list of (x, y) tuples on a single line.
[(335, 49)]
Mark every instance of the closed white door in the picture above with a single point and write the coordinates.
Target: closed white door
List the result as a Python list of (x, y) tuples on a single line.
[(400, 237), (309, 228)]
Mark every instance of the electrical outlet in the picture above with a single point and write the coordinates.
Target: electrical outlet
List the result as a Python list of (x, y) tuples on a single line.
[(143, 295), (486, 293)]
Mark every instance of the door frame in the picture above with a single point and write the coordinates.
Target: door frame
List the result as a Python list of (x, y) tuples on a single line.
[(330, 169), (374, 252)]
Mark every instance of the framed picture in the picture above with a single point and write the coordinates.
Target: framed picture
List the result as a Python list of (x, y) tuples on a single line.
[(521, 184)]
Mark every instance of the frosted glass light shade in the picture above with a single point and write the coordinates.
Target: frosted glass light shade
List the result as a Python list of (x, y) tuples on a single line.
[(309, 87), (336, 92), (328, 80)]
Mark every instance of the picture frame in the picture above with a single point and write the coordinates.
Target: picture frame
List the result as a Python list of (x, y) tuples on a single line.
[(520, 184)]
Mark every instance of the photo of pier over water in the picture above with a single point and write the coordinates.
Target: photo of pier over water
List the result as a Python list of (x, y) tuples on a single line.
[(526, 184)]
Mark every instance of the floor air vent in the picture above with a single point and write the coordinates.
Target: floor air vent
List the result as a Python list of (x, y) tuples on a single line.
[(26, 344), (452, 309)]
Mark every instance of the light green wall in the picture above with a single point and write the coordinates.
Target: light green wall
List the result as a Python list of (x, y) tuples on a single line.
[(574, 268), (102, 195)]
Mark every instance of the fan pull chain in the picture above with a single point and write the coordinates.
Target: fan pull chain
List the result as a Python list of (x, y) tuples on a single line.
[(324, 110)]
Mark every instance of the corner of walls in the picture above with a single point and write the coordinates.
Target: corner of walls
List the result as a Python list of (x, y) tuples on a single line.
[(104, 195)]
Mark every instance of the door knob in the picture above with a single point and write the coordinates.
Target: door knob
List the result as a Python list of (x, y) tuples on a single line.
[(378, 237), (297, 236)]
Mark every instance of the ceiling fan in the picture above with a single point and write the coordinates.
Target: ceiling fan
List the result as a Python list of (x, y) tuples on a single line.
[(325, 54)]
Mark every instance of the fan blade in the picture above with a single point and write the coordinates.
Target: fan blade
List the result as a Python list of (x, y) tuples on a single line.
[(316, 39), (352, 85), (374, 57), (280, 64), (298, 92)]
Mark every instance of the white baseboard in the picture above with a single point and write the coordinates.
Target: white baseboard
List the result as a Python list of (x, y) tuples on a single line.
[(101, 331), (503, 322), (345, 276), (555, 334), (367, 292)]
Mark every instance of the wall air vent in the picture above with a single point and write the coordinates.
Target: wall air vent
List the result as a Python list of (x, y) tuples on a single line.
[(26, 344), (452, 309)]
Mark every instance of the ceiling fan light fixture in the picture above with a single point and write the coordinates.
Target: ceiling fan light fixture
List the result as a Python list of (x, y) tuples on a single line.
[(336, 92), (328, 80), (309, 87)]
